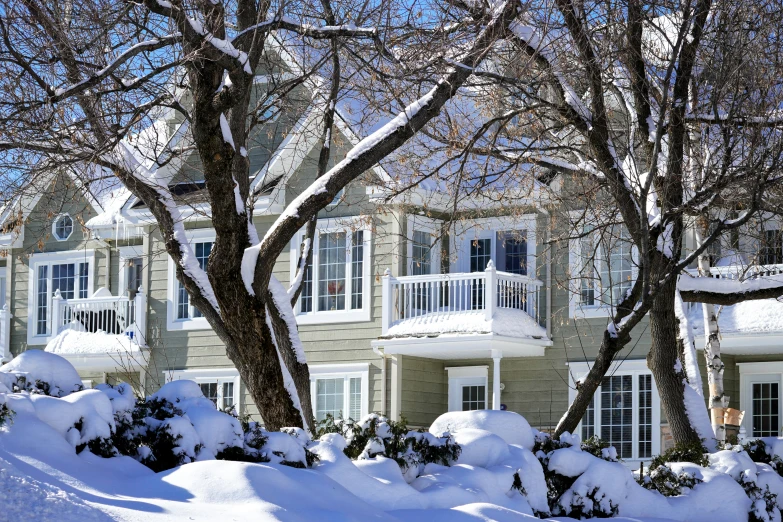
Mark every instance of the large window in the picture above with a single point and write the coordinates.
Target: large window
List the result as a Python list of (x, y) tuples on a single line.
[(220, 385), (182, 315), (335, 286), (604, 269), (68, 272), (625, 410), (508, 242), (339, 390)]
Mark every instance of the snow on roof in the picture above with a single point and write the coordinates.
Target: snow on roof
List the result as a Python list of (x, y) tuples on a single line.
[(505, 322), (74, 342), (750, 317)]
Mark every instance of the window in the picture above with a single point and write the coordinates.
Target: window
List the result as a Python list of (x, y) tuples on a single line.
[(182, 315), (509, 242), (220, 385), (604, 262), (336, 285), (68, 272), (625, 410), (340, 390), (772, 248), (62, 228), (760, 398), (337, 199), (468, 388)]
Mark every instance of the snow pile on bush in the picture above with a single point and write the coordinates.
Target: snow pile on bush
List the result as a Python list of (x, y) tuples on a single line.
[(40, 372)]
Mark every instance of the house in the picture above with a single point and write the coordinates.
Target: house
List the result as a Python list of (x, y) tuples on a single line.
[(396, 316)]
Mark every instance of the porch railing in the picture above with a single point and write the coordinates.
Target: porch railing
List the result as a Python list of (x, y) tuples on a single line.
[(5, 334), (445, 295), (742, 272), (114, 315)]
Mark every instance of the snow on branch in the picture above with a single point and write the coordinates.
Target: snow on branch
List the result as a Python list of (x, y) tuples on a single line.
[(729, 292), (61, 93)]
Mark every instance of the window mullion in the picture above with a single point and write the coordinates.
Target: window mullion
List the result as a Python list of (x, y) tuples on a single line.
[(597, 407), (348, 270)]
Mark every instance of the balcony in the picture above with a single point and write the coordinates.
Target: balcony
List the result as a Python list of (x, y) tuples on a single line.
[(462, 315), (100, 333)]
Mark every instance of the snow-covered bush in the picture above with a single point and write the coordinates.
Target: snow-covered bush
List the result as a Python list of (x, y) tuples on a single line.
[(40, 372), (666, 482), (6, 413), (376, 435), (508, 425), (693, 452), (760, 452)]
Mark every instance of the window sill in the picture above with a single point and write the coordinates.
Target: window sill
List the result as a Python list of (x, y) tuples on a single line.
[(199, 323), (342, 316)]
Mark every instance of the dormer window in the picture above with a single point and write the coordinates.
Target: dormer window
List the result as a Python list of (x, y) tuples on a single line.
[(62, 228)]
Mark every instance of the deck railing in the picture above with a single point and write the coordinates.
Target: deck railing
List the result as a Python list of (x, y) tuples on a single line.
[(444, 295), (114, 315), (741, 272)]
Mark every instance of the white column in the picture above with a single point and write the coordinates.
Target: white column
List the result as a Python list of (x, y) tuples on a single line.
[(490, 294), (5, 334), (386, 302), (140, 304), (57, 315), (496, 356)]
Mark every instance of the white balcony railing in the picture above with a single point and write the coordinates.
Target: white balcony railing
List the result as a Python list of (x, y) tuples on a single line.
[(448, 295), (114, 315), (5, 334), (741, 272)]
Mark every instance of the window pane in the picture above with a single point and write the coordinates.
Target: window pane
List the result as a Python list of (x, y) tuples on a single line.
[(421, 251), (355, 399), (617, 266), (588, 421), (586, 260), (84, 272), (357, 268), (766, 421), (43, 301), (306, 296), (772, 248), (617, 413), (645, 416), (480, 256), (183, 301), (329, 398), (331, 271), (64, 279), (473, 398), (210, 389), (228, 395), (202, 255), (515, 258)]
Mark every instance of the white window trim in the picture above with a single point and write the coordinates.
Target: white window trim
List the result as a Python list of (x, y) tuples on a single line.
[(54, 227), (424, 224), (203, 375), (460, 376), (636, 367), (753, 372), (193, 323), (347, 372), (336, 316), (128, 252), (489, 228), (50, 258), (575, 308)]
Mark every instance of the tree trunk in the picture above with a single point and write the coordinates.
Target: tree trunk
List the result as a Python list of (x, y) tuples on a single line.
[(664, 363)]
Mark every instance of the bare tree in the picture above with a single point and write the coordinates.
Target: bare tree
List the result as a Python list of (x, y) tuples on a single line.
[(642, 118), (81, 79)]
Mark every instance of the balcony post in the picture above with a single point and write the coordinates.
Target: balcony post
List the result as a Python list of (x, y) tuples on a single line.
[(490, 290), (5, 334), (387, 302), (496, 356), (140, 315), (57, 314)]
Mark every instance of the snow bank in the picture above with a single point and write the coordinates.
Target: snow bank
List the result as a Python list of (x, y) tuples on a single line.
[(480, 448), (38, 365), (183, 394), (758, 316), (79, 417), (511, 427)]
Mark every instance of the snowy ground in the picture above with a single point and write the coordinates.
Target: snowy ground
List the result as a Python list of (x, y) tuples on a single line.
[(43, 478)]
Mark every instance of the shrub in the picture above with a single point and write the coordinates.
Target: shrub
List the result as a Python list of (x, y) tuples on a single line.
[(666, 482), (764, 504), (693, 452), (759, 452), (6, 415), (376, 435), (558, 484)]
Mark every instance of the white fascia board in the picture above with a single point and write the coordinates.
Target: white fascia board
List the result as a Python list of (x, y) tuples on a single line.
[(108, 362), (463, 346), (747, 344)]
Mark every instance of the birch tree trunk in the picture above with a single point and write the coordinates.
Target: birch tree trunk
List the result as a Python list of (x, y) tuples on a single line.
[(718, 400)]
